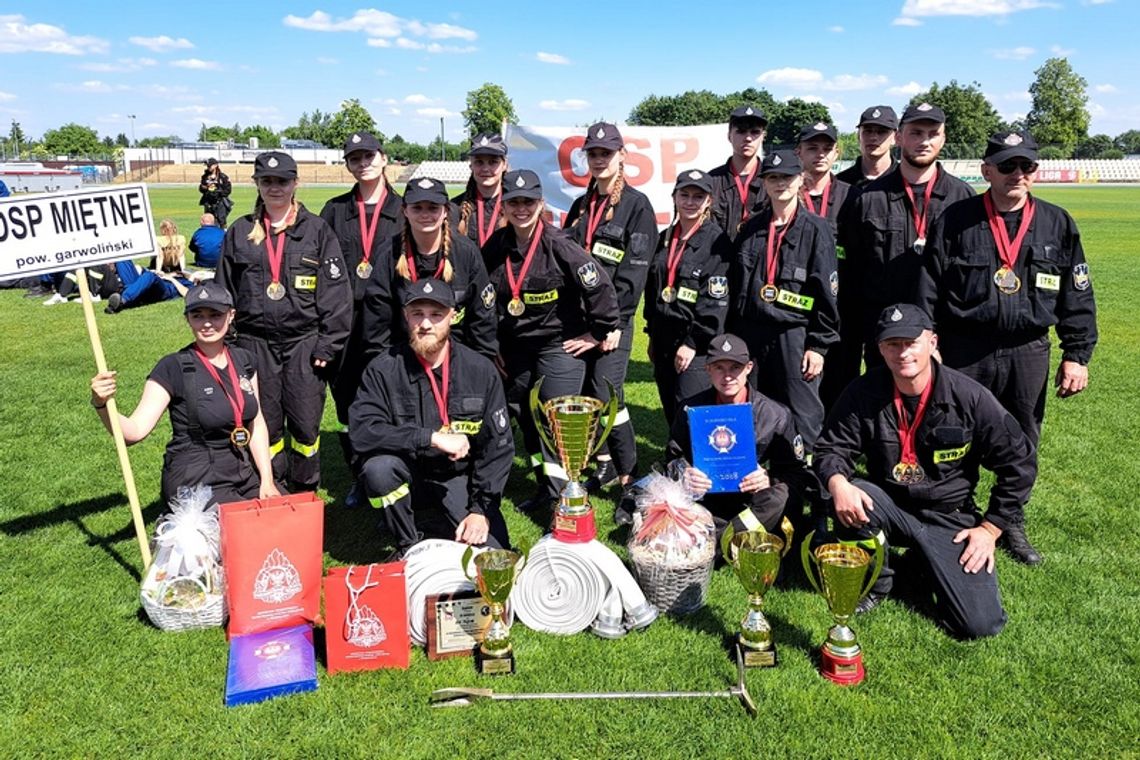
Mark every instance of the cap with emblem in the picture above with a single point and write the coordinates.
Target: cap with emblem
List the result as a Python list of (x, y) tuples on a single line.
[(361, 141), (727, 346), (430, 289), (521, 183), (603, 135), (211, 162), (819, 129), (883, 116), (1006, 145), (487, 144), (208, 295), (694, 178), (426, 189), (923, 112), (781, 162), (904, 320), (274, 163), (747, 112)]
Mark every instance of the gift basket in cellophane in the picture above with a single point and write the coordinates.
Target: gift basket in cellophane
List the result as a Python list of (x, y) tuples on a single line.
[(672, 544), (184, 587)]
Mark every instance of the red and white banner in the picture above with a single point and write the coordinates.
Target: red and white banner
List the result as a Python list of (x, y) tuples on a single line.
[(1057, 175)]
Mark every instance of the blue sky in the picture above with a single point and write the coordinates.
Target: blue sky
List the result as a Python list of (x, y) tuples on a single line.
[(176, 66)]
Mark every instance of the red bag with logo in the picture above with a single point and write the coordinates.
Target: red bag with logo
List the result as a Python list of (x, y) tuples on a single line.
[(271, 553), (366, 617)]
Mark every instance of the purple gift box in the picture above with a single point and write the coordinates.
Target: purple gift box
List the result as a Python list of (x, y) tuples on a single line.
[(270, 664)]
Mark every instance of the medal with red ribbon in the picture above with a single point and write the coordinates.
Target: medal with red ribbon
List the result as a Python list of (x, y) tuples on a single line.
[(742, 184), (368, 232), (593, 219), (770, 292), (822, 201), (440, 395), (676, 251), (908, 471), (919, 219), (516, 307), (485, 234), (275, 290), (412, 273), (240, 435), (1005, 278)]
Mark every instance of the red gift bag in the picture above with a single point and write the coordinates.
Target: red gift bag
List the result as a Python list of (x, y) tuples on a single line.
[(366, 617), (271, 553)]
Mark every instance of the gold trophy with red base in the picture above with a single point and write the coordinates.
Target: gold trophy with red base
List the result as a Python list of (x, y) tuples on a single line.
[(843, 581), (574, 437)]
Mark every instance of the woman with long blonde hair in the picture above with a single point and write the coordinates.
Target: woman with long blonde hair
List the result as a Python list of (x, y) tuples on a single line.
[(163, 281)]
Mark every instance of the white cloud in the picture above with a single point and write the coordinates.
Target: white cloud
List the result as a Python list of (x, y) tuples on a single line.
[(906, 21), (381, 28), (435, 47), (908, 90), (1095, 2), (122, 65), (379, 42), (922, 8), (790, 77), (6, 96), (436, 112), (845, 82), (1014, 54), (17, 36), (196, 64), (1016, 96), (418, 99), (1105, 88), (1096, 109), (162, 43), (570, 104), (326, 61), (1061, 51), (802, 79), (94, 86), (394, 112), (551, 58)]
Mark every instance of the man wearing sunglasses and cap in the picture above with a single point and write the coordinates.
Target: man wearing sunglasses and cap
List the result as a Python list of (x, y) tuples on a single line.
[(1002, 268)]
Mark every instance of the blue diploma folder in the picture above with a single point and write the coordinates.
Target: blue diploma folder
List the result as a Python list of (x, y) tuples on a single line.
[(271, 664), (724, 444)]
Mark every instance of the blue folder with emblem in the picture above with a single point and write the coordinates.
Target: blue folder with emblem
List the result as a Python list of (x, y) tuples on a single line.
[(271, 664), (724, 443)]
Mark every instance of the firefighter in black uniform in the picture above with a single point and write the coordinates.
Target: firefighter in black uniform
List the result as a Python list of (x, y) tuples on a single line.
[(890, 221), (291, 289), (925, 430), (215, 188), (783, 283), (766, 494), (364, 220), (430, 423), (687, 293), (478, 212), (616, 225), (1002, 268), (738, 192), (555, 304), (877, 129)]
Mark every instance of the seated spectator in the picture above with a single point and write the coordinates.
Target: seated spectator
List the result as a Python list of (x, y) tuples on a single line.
[(165, 280), (206, 242), (102, 282), (172, 248)]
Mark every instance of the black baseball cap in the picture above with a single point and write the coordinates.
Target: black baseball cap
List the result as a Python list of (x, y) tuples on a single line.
[(883, 116), (211, 162), (819, 129), (274, 163), (781, 162), (430, 289), (362, 141), (1003, 146), (521, 183), (727, 346), (923, 112), (603, 135), (903, 320), (747, 112), (208, 295), (487, 144), (694, 178), (427, 189)]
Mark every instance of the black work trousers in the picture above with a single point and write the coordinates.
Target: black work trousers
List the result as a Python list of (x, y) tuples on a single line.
[(777, 357), (612, 366)]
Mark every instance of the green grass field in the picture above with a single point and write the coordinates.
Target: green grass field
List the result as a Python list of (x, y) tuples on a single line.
[(82, 673)]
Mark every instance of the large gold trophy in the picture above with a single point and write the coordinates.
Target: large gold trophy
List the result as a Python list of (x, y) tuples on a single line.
[(574, 437), (495, 573), (755, 556), (843, 581)]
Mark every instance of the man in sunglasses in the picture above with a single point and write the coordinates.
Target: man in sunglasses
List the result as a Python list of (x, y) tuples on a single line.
[(1001, 269)]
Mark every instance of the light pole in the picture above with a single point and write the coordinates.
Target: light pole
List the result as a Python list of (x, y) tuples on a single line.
[(442, 144), (131, 116)]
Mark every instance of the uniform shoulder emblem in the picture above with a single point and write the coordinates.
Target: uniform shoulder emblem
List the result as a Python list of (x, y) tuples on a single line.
[(588, 275), (798, 446), (718, 286), (834, 280), (334, 270), (488, 296), (1081, 279)]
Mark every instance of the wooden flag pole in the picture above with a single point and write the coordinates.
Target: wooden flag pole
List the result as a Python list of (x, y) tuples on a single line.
[(113, 415)]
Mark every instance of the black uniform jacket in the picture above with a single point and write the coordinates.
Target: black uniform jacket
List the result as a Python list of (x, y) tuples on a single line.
[(455, 211), (343, 214), (957, 287), (395, 413), (964, 428), (700, 309), (727, 209), (879, 239), (565, 292), (318, 297), (853, 175), (806, 277), (622, 246), (837, 198)]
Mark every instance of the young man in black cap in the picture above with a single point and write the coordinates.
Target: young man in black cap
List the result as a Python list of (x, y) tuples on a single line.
[(891, 218), (430, 424), (766, 493), (925, 430), (877, 127), (478, 212), (215, 189), (737, 189), (364, 219), (1001, 269)]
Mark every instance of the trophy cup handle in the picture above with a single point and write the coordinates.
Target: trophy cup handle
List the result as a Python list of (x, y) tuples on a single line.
[(726, 543), (465, 562), (786, 527), (806, 556), (610, 410), (524, 558), (538, 415), (880, 557)]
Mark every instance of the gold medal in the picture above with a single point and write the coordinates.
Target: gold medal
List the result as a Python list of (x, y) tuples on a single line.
[(1007, 280), (364, 270), (769, 293), (668, 294), (275, 291), (908, 473), (240, 436), (515, 307), (920, 245), (445, 429)]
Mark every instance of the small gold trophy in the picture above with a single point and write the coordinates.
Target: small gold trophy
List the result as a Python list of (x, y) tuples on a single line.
[(755, 556), (843, 581), (495, 574), (573, 436)]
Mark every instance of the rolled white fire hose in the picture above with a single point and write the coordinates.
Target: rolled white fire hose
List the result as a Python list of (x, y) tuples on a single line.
[(433, 567)]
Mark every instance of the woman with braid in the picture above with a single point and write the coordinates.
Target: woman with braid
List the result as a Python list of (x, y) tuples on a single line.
[(478, 212), (616, 225)]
